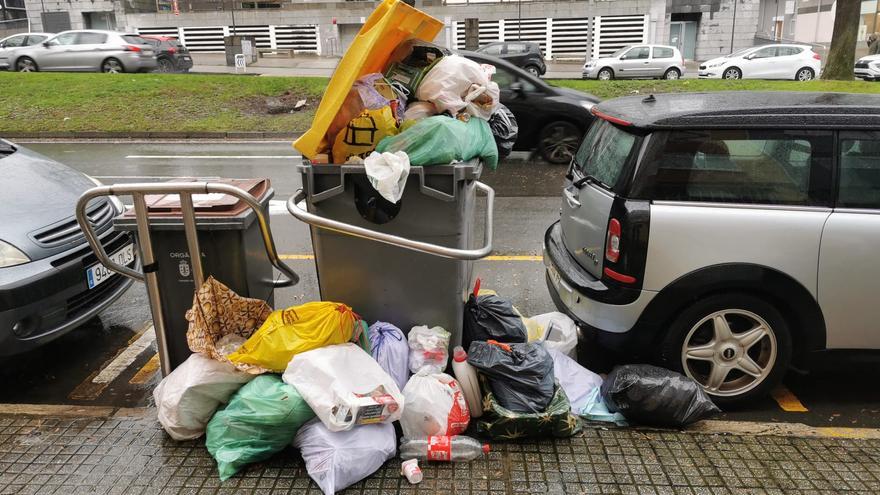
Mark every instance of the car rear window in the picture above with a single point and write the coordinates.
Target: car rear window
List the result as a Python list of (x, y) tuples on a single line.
[(604, 153), (134, 40), (859, 182), (737, 166), (660, 52)]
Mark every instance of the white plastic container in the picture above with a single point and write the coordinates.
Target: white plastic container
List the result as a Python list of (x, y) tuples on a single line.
[(467, 380)]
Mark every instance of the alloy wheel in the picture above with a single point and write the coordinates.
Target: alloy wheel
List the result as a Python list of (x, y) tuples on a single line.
[(533, 71), (559, 142), (165, 65), (805, 75), (27, 65), (112, 67), (671, 74), (732, 73), (604, 75)]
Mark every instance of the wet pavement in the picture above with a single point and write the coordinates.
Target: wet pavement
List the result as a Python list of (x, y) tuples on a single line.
[(842, 394)]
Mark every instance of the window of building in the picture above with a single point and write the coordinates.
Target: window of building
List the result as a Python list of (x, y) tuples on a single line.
[(660, 52), (859, 182)]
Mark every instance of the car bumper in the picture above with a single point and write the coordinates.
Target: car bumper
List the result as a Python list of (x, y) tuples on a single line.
[(183, 62), (709, 74), (868, 74), (132, 61), (42, 300)]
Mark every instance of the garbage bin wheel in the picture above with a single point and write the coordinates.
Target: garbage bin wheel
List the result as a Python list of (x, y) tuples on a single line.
[(559, 141), (736, 346)]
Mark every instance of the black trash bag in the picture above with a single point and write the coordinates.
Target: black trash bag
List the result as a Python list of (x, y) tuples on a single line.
[(520, 375), (488, 317), (504, 129), (655, 396)]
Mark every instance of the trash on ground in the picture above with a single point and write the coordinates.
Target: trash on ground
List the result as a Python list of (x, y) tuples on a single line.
[(560, 332), (391, 350), (555, 420), (411, 471), (435, 406), (520, 376), (260, 420), (489, 317), (428, 349), (577, 381), (345, 387), (336, 460), (656, 396), (468, 381), (387, 173), (594, 409), (442, 448)]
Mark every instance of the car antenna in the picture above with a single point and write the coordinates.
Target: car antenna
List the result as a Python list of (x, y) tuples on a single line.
[(649, 99)]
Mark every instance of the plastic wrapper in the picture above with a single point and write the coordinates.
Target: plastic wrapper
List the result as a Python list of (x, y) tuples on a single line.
[(594, 409), (435, 406), (556, 420), (428, 349), (440, 140), (345, 387), (489, 317), (419, 110), (336, 460), (217, 313), (559, 332), (361, 135), (504, 129), (188, 397), (297, 329), (656, 396), (456, 84), (391, 350), (520, 375), (387, 173), (577, 381), (260, 420)]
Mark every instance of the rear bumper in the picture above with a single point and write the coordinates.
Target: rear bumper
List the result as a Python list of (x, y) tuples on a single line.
[(134, 62), (182, 62)]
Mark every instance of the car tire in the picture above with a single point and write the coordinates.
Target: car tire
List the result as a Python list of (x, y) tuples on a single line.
[(26, 64), (558, 142), (164, 65), (605, 74), (112, 66), (804, 74), (732, 73), (749, 362), (533, 70), (672, 74)]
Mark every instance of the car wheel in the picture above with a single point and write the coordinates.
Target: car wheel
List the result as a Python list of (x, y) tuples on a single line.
[(606, 74), (112, 66), (25, 64), (559, 141), (804, 74), (533, 70), (165, 65), (672, 74), (732, 73), (736, 346)]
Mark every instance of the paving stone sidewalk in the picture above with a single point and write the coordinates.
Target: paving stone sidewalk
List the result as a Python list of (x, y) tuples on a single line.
[(131, 454)]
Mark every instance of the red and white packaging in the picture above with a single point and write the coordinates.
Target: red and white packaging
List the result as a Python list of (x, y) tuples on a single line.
[(435, 406)]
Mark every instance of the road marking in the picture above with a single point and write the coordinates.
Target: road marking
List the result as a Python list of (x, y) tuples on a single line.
[(213, 157), (146, 372), (487, 258), (94, 385), (757, 428), (787, 400), (297, 256)]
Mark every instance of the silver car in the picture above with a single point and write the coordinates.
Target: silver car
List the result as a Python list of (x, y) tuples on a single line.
[(724, 235), (10, 44), (88, 50), (637, 61)]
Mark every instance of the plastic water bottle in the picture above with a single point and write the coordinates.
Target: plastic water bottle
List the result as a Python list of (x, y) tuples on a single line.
[(441, 448), (467, 379)]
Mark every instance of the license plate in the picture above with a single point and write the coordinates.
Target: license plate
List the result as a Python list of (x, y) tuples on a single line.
[(98, 274), (187, 59)]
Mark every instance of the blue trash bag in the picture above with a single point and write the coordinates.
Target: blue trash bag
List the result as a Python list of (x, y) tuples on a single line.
[(391, 351)]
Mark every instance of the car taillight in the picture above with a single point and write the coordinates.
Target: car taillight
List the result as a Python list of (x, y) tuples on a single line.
[(172, 50), (612, 241), (131, 48), (816, 56)]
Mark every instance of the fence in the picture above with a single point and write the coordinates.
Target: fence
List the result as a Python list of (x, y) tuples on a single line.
[(302, 38)]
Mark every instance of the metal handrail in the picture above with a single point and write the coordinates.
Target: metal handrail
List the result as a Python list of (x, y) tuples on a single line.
[(184, 190), (423, 247)]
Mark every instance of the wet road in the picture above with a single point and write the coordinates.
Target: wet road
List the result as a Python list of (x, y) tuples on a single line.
[(119, 345)]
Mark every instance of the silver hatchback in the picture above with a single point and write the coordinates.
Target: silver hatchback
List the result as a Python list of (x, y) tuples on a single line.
[(87, 51), (637, 61)]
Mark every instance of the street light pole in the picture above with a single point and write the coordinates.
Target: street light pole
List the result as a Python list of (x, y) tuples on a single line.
[(733, 26)]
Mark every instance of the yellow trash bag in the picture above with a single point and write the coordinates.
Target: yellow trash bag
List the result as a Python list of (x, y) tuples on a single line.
[(294, 330), (361, 136), (391, 23)]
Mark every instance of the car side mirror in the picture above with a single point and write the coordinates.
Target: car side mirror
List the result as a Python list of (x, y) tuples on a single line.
[(46, 44), (749, 57), (518, 89), (623, 57)]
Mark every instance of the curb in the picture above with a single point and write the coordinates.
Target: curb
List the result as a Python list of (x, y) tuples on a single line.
[(244, 135)]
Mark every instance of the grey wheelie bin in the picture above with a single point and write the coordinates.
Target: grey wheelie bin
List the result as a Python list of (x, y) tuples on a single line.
[(409, 263)]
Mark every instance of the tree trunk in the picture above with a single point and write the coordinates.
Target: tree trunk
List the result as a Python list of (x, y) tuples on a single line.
[(841, 56)]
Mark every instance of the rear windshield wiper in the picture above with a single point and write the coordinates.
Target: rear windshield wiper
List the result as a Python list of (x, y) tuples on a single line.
[(589, 179)]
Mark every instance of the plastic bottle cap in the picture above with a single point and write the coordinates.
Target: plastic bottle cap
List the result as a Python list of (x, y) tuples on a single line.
[(459, 355), (486, 448)]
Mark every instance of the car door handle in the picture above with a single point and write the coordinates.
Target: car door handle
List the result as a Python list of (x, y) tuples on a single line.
[(570, 198), (646, 63)]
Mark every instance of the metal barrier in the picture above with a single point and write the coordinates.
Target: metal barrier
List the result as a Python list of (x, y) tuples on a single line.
[(184, 190)]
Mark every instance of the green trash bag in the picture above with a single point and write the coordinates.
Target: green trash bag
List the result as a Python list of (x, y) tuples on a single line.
[(440, 140), (261, 419), (499, 423)]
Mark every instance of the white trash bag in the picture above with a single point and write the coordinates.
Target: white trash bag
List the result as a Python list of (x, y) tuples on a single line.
[(456, 83), (188, 397), (560, 332), (337, 460), (435, 406), (428, 349), (578, 382), (345, 386), (387, 173)]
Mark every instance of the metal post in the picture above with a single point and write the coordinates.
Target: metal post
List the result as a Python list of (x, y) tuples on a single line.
[(151, 279), (233, 18), (733, 26), (192, 238)]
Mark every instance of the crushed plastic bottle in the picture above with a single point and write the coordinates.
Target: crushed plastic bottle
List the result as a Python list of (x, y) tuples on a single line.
[(442, 448)]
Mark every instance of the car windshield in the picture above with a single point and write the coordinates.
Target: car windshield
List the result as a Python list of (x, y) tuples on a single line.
[(620, 51), (740, 53), (604, 153)]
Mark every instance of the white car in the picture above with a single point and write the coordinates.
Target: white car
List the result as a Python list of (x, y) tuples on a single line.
[(868, 68), (798, 62)]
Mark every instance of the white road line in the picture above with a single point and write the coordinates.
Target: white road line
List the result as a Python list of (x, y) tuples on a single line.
[(213, 157), (126, 357)]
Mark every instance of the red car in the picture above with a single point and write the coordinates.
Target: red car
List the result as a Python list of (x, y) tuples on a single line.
[(171, 55)]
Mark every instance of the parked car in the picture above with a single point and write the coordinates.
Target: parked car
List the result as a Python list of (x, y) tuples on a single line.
[(868, 68), (522, 54), (798, 62), (88, 50), (12, 43), (724, 235), (50, 282), (171, 54), (637, 61), (551, 120)]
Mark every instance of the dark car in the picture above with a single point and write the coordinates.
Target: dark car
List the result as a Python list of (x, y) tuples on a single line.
[(525, 55), (171, 54), (50, 282), (551, 120)]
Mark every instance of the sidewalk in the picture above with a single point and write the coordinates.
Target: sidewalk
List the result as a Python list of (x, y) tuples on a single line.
[(108, 451)]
